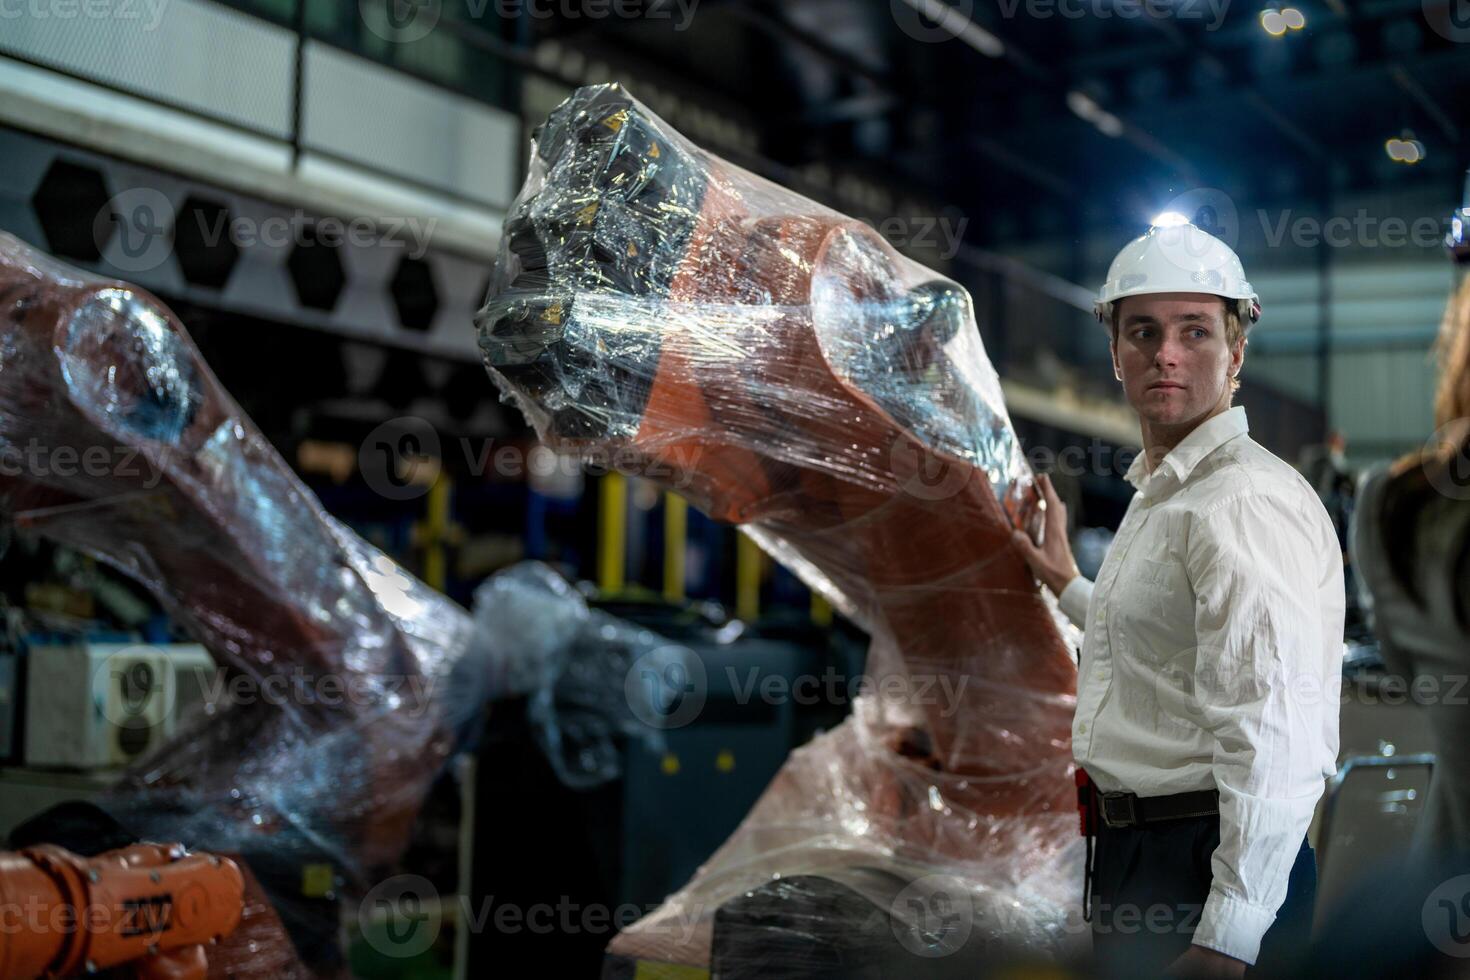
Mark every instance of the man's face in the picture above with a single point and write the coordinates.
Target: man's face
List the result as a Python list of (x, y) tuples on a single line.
[(1172, 355)]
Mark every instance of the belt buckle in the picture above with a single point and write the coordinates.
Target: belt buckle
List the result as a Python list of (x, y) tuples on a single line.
[(1117, 810)]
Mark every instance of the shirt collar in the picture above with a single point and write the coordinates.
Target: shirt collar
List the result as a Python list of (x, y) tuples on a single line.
[(1193, 448)]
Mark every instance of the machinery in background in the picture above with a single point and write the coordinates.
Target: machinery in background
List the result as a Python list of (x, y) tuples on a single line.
[(625, 813), (98, 705), (760, 699)]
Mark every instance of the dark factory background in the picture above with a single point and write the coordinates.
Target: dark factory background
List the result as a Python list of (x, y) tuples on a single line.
[(318, 189)]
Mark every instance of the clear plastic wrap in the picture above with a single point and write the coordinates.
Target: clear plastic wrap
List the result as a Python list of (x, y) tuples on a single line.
[(543, 642), (347, 679), (782, 367)]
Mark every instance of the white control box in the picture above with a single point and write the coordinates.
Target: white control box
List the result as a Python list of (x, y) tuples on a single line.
[(101, 705)]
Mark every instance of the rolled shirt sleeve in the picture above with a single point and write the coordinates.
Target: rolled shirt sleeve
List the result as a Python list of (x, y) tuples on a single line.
[(1262, 686), (1075, 599)]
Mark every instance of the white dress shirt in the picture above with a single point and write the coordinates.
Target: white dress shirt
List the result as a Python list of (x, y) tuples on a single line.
[(1212, 659)]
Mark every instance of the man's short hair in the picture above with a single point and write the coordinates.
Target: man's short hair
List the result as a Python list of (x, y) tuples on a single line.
[(1234, 328)]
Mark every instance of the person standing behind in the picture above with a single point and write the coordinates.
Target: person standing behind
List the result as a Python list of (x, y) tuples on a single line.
[(1411, 545)]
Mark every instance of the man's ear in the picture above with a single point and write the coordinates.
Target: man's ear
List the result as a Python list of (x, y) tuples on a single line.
[(1237, 357), (1113, 352)]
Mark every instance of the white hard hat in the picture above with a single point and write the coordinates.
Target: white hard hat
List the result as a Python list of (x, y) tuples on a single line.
[(1178, 257)]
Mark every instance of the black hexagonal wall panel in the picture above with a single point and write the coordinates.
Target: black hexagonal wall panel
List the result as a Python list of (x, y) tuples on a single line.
[(316, 271), (70, 203), (206, 252), (414, 294)]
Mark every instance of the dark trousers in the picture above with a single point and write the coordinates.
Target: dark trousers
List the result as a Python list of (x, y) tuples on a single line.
[(1149, 888)]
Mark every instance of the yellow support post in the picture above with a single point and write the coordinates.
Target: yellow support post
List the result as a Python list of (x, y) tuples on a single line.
[(821, 610), (612, 533), (676, 533), (748, 557), (436, 533)]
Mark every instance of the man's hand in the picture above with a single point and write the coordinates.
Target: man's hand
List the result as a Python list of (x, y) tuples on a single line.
[(1203, 962), (1052, 562)]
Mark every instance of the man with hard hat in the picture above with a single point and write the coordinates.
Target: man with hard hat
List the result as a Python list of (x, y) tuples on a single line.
[(1207, 690)]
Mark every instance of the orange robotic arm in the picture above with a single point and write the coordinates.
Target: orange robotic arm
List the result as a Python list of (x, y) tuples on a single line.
[(151, 907), (781, 366)]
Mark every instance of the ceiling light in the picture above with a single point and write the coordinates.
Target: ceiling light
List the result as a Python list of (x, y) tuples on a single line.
[(1085, 108), (961, 26), (1404, 149), (1273, 22)]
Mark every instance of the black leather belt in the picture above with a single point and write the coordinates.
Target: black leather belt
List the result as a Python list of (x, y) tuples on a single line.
[(1129, 810)]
